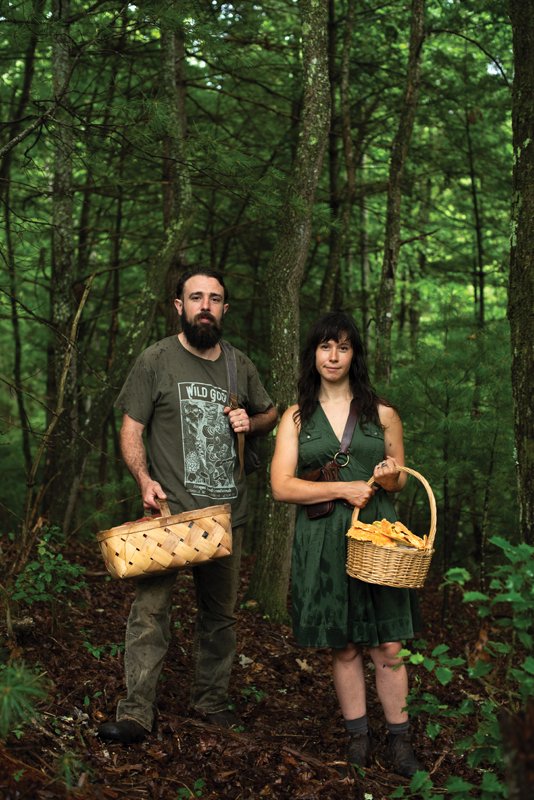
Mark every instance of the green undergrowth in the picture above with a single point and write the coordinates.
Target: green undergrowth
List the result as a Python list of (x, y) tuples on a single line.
[(498, 674)]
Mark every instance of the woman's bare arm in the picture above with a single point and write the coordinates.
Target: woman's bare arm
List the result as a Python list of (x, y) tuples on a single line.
[(290, 489)]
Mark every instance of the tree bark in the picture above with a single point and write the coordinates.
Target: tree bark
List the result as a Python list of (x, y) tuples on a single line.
[(285, 271), (18, 111), (414, 297), (478, 272), (17, 339), (337, 289), (332, 273), (61, 445), (521, 285), (399, 152), (517, 731), (351, 160), (177, 195)]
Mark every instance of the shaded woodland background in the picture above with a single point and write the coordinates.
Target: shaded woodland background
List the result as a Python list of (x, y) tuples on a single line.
[(338, 153)]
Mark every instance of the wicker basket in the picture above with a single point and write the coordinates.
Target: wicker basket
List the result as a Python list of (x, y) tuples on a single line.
[(155, 545), (403, 567)]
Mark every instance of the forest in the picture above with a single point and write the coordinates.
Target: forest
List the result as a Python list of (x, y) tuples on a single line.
[(375, 156)]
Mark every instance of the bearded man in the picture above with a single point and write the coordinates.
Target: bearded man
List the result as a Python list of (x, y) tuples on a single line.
[(178, 442)]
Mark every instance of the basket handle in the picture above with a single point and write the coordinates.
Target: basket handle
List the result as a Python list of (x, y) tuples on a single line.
[(164, 508), (431, 500)]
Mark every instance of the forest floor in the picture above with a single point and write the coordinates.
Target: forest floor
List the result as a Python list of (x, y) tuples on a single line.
[(292, 743)]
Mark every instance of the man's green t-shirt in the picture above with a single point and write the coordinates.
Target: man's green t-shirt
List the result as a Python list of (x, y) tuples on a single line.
[(191, 448)]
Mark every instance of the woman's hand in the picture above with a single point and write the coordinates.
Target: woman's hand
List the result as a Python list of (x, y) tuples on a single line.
[(386, 474), (357, 493)]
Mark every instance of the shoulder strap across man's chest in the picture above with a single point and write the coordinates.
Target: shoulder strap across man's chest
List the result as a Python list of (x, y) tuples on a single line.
[(233, 401), (231, 373)]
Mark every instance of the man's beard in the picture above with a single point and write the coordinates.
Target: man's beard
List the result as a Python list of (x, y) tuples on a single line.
[(202, 336)]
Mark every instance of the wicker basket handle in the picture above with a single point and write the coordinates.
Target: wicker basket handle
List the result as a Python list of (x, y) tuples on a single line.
[(164, 508), (431, 500)]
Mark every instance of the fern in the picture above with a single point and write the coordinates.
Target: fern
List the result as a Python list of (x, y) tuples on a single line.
[(20, 690)]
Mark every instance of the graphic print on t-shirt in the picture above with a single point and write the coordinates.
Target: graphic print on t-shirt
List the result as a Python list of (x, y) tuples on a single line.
[(208, 443)]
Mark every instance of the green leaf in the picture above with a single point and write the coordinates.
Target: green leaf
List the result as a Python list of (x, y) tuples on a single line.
[(525, 638), (480, 670), (528, 665), (421, 780), (508, 597), (463, 745), (457, 575), (504, 622), (467, 707), (444, 675), (456, 785), (432, 730), (521, 553), (475, 597), (492, 785), (417, 658), (500, 541), (500, 647), (456, 662)]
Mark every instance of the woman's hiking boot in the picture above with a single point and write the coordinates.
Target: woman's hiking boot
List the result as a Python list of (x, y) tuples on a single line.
[(359, 750), (401, 756)]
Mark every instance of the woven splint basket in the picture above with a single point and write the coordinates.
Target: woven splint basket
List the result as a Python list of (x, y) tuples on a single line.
[(403, 567), (155, 545)]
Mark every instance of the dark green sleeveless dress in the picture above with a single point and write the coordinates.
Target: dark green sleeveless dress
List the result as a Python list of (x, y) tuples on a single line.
[(329, 609)]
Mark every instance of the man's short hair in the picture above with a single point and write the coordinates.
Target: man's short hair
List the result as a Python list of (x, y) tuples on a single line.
[(209, 273)]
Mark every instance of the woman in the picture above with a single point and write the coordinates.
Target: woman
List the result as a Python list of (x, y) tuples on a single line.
[(330, 609)]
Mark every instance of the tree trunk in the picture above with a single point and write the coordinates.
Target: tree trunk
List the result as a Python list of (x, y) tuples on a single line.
[(414, 301), (337, 285), (331, 276), (517, 731), (19, 110), (521, 287), (60, 469), (345, 287), (286, 268), (479, 274), (17, 114), (177, 196), (399, 152), (17, 339), (365, 265)]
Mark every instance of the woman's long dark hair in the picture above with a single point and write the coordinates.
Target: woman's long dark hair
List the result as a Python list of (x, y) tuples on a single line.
[(336, 325)]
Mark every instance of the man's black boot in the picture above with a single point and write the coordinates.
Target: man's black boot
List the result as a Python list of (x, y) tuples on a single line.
[(125, 731)]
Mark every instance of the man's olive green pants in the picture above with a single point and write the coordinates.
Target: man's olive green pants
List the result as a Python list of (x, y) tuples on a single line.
[(214, 643)]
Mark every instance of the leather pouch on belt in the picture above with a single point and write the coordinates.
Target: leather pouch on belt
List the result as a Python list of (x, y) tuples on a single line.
[(328, 472)]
